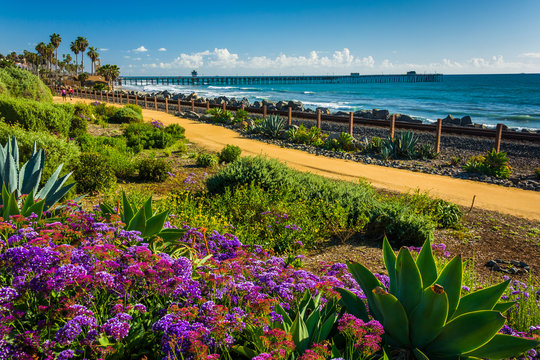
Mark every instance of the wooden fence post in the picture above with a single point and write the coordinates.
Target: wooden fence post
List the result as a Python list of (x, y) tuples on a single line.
[(101, 95), (179, 105), (319, 119), (392, 125), (243, 106), (127, 98), (264, 110), (166, 105), (438, 138), (107, 96), (155, 103), (290, 116), (351, 123), (192, 105), (113, 100), (498, 137), (224, 106), (95, 95), (121, 101), (207, 105), (145, 102)]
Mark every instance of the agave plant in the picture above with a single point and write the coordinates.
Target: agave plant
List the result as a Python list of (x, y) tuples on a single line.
[(424, 315), (402, 146), (148, 222), (26, 179), (271, 126), (346, 141), (311, 323)]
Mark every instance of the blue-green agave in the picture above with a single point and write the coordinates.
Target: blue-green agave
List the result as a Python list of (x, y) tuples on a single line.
[(25, 180), (424, 315)]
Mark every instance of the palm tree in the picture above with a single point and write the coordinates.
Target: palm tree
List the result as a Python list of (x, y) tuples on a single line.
[(50, 52), (56, 40), (109, 72), (41, 49), (93, 55), (82, 44), (74, 46)]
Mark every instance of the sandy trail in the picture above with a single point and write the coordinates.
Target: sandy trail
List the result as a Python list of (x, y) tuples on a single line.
[(506, 200)]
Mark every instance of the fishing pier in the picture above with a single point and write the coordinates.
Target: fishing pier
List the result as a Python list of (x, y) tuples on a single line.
[(353, 78)]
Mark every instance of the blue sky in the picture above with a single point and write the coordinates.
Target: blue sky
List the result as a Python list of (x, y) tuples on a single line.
[(287, 37)]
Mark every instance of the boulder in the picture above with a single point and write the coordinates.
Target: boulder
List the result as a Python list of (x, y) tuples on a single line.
[(245, 101), (466, 121), (380, 114), (296, 105), (282, 105), (450, 120), (257, 105), (407, 118), (192, 96), (341, 113), (191, 115), (324, 111)]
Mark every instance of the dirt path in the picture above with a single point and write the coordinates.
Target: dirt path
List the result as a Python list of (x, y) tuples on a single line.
[(506, 200)]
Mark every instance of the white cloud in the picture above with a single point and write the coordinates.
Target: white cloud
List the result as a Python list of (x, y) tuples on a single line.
[(223, 61), (103, 49), (140, 49), (162, 49), (531, 55)]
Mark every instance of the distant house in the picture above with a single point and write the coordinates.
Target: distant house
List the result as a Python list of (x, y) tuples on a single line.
[(194, 73), (411, 72)]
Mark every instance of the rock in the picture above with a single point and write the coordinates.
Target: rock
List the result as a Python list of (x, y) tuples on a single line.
[(206, 117), (466, 121), (450, 120), (192, 96), (282, 105), (192, 115), (257, 105), (341, 113), (324, 111), (479, 126), (380, 114), (296, 105), (407, 118), (365, 114)]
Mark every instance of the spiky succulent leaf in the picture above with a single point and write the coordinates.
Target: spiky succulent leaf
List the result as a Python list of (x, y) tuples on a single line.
[(450, 279), (484, 299), (429, 317), (138, 223), (353, 304), (503, 347), (326, 328), (367, 282), (128, 209), (42, 194), (419, 354), (300, 334), (409, 281), (466, 333), (155, 224), (504, 306), (426, 265), (171, 234), (389, 258), (394, 317)]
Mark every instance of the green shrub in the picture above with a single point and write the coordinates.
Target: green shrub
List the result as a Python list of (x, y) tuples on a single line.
[(93, 173), (79, 126), (37, 116), (402, 146), (134, 107), (220, 116), (114, 150), (149, 136), (301, 135), (151, 169), (241, 115), (57, 150), (360, 200), (16, 82), (126, 115), (175, 130), (229, 153), (271, 126), (425, 152), (103, 111), (493, 164), (207, 160), (101, 86)]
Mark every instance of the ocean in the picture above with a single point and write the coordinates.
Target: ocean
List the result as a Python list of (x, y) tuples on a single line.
[(511, 99)]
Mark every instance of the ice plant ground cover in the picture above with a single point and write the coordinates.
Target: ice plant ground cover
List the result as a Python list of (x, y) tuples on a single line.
[(82, 287)]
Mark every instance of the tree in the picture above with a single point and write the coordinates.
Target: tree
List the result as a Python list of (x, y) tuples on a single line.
[(110, 73), (55, 41), (50, 52), (74, 46), (82, 44), (93, 55), (41, 49), (82, 78)]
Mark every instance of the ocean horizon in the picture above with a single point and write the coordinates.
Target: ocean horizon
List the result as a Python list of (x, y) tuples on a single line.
[(511, 99)]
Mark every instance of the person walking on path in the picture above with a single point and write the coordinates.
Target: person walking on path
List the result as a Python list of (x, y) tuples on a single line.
[(64, 94), (70, 93)]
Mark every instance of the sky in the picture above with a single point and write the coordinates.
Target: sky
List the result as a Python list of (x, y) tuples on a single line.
[(287, 37)]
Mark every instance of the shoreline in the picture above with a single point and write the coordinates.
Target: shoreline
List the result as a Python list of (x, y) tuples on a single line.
[(374, 114)]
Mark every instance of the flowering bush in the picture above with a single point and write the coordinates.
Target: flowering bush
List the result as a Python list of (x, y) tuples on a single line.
[(83, 287)]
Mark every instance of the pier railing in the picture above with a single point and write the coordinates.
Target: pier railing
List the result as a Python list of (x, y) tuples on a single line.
[(170, 106)]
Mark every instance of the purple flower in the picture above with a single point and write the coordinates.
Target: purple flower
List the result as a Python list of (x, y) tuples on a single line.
[(65, 355), (7, 294)]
